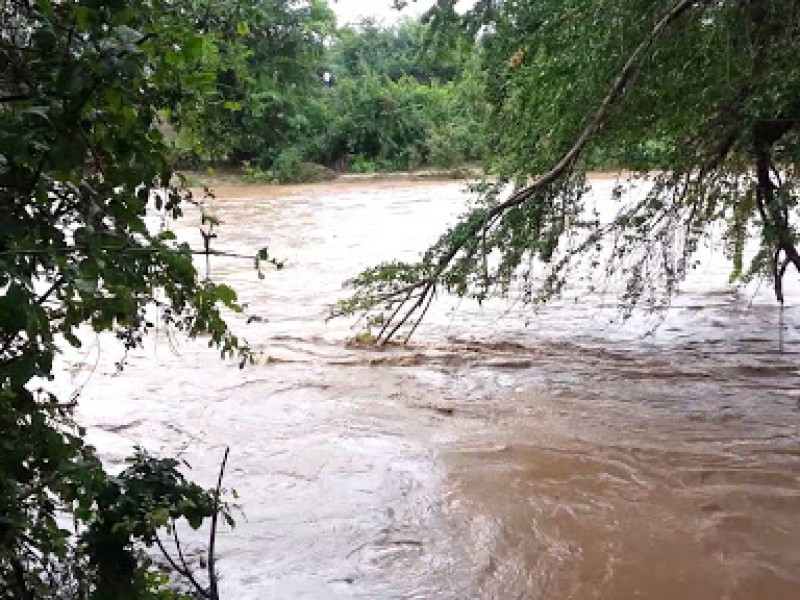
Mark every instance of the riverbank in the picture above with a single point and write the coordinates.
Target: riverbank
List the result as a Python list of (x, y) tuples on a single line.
[(232, 183), (239, 178)]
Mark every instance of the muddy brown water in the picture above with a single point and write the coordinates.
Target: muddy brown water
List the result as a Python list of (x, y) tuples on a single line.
[(502, 454)]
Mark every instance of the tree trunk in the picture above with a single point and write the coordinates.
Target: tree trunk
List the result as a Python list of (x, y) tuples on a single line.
[(774, 212)]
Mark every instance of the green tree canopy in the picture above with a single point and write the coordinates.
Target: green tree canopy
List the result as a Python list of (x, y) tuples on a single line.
[(397, 102), (393, 52), (85, 90), (268, 59), (703, 94)]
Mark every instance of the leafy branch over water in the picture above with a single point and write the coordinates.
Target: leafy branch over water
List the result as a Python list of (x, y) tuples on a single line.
[(727, 152)]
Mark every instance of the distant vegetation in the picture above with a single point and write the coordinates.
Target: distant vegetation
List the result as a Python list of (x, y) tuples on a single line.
[(360, 98)]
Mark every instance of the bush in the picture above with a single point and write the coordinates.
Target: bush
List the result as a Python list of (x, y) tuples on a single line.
[(290, 167), (377, 124), (254, 174)]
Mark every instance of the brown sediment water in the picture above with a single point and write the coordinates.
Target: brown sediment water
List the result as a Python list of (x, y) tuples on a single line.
[(502, 454)]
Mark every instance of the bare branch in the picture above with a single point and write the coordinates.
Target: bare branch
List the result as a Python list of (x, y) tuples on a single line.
[(394, 314), (14, 98), (427, 289), (422, 314), (121, 250), (186, 570), (212, 574), (182, 570)]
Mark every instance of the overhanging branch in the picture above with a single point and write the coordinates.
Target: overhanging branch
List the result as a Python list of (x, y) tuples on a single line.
[(427, 286)]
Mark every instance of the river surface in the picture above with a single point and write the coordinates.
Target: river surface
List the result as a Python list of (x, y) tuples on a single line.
[(503, 454)]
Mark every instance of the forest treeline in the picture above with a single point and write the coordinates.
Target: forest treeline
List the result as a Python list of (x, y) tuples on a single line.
[(296, 96)]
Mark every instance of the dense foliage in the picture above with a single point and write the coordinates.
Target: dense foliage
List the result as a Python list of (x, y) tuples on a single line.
[(293, 90), (267, 60), (398, 103), (85, 88), (706, 94), (402, 50)]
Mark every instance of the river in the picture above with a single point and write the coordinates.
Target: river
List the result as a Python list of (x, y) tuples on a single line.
[(502, 454)]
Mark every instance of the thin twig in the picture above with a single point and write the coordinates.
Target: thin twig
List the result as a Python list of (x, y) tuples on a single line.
[(420, 299), (122, 249), (394, 314), (212, 575), (184, 571), (185, 564), (422, 315), (383, 297)]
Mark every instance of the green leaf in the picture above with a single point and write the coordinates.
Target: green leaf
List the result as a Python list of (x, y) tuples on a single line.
[(159, 517), (192, 48), (226, 294)]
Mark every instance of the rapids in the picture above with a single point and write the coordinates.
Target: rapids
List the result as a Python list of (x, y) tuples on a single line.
[(503, 454)]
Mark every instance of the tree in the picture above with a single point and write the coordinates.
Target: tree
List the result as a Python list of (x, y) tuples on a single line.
[(86, 88), (397, 103), (702, 94), (393, 52), (267, 60)]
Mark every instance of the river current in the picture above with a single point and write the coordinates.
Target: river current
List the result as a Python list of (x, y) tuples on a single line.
[(502, 454)]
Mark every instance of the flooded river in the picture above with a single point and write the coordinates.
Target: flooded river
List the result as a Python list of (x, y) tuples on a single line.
[(503, 454)]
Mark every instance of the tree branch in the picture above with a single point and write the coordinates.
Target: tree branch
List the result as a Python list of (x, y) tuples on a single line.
[(212, 574), (184, 571), (14, 98), (563, 166), (120, 249)]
